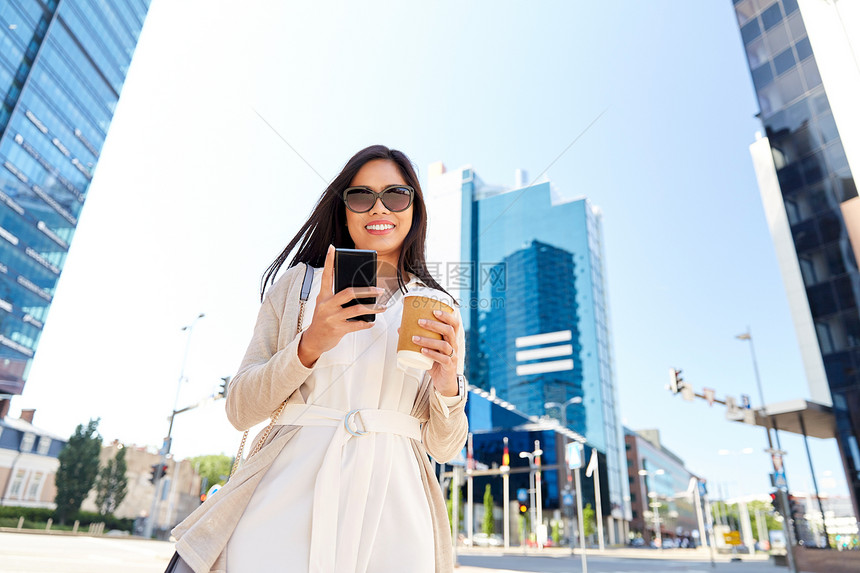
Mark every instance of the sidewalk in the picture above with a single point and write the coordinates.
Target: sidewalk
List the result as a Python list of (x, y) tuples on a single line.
[(698, 554)]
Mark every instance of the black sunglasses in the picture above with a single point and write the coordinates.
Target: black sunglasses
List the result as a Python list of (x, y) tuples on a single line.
[(362, 199)]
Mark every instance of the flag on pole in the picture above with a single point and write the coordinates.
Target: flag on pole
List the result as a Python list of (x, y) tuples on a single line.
[(592, 464)]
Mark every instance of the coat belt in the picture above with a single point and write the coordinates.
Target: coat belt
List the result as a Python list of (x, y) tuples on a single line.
[(352, 424)]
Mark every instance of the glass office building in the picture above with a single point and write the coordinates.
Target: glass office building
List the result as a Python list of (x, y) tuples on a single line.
[(526, 266), (805, 75), (663, 480), (62, 67)]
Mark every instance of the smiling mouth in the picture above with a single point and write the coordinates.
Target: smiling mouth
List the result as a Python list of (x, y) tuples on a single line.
[(379, 227)]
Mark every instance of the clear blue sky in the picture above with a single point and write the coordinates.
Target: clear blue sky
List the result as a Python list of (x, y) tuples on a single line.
[(194, 195)]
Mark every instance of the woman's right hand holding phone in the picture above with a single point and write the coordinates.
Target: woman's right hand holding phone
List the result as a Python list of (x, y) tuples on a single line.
[(330, 322)]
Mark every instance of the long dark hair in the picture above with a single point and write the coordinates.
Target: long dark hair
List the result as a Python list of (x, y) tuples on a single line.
[(327, 224)]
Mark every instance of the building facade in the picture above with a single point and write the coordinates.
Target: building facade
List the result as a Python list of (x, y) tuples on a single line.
[(28, 462), (804, 70), (178, 493), (62, 68), (526, 266), (658, 481), (491, 420)]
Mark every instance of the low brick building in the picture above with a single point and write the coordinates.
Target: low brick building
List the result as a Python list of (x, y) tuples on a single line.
[(179, 489)]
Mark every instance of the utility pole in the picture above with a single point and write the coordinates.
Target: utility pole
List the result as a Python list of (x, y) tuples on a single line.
[(165, 449)]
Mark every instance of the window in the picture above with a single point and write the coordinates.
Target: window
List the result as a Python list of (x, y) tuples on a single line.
[(771, 17), (783, 62), (27, 442), (804, 50), (17, 484), (762, 76), (44, 445), (750, 31), (757, 53), (810, 72), (790, 6), (35, 486)]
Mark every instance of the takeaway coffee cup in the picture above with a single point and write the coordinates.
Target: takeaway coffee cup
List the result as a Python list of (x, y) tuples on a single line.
[(417, 305)]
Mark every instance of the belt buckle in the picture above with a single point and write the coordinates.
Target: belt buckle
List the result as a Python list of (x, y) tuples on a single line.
[(356, 432)]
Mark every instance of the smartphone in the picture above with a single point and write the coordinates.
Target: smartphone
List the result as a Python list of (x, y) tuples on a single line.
[(355, 268)]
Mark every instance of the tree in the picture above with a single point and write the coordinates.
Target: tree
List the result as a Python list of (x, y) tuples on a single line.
[(722, 511), (112, 484), (214, 468), (460, 508), (489, 524), (589, 524), (79, 464)]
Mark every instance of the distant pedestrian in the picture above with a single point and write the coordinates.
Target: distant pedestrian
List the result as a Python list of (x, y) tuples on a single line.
[(343, 483)]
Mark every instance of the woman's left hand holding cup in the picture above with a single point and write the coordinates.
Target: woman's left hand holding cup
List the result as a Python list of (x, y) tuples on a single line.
[(444, 369)]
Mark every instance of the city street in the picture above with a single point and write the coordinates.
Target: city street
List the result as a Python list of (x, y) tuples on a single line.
[(41, 553), (605, 564)]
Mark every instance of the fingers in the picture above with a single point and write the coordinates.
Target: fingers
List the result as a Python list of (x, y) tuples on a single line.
[(328, 272), (439, 357), (356, 325), (358, 310), (443, 347), (440, 327), (349, 293)]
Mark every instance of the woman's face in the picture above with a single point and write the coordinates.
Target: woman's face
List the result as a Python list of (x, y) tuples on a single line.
[(379, 174)]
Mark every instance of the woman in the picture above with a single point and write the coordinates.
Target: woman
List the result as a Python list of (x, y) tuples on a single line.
[(324, 496)]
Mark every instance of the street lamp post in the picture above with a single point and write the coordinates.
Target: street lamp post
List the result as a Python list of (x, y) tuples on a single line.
[(789, 539), (562, 407), (652, 495), (534, 491), (165, 450)]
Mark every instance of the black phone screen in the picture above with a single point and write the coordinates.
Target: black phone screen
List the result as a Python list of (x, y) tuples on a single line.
[(355, 268)]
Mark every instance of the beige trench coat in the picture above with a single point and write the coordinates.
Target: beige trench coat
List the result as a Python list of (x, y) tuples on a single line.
[(271, 370)]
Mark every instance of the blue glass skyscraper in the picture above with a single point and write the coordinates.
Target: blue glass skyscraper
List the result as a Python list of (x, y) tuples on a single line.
[(62, 68), (527, 268), (803, 63)]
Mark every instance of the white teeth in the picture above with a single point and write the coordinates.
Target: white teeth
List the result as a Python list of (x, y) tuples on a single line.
[(380, 227)]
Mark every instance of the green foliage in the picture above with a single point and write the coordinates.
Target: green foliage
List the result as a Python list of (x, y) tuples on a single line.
[(556, 535), (29, 513), (769, 516), (525, 523), (589, 520), (79, 465), (721, 510), (215, 468), (112, 484), (37, 517), (489, 524), (460, 508)]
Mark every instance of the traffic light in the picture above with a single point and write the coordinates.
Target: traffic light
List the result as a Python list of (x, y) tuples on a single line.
[(204, 487), (676, 383), (222, 391), (153, 473), (776, 502), (523, 508), (795, 508)]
